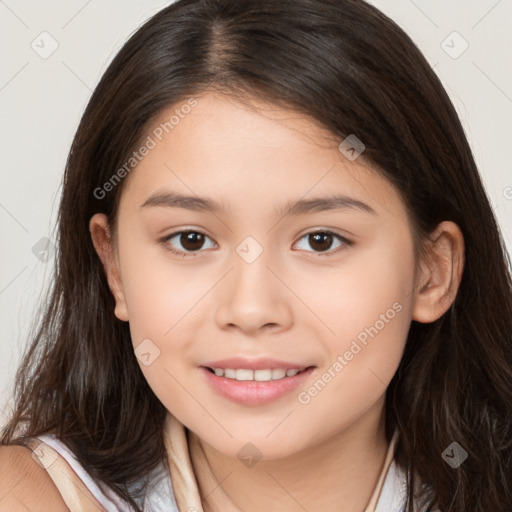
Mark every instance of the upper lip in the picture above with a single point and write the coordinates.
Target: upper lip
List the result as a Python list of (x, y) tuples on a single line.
[(253, 364)]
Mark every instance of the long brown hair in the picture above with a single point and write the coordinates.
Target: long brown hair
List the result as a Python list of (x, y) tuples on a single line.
[(353, 69)]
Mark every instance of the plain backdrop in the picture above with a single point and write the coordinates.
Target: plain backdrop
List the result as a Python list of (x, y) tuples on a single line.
[(53, 54)]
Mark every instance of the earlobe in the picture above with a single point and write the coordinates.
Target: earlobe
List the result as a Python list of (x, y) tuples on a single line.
[(440, 274), (100, 234)]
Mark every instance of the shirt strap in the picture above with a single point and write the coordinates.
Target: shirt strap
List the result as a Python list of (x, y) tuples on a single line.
[(184, 482), (74, 492), (380, 483)]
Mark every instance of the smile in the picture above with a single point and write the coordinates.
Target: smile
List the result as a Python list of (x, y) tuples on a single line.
[(254, 387), (258, 375)]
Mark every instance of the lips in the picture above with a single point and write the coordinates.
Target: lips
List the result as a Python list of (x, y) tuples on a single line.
[(254, 393), (254, 364)]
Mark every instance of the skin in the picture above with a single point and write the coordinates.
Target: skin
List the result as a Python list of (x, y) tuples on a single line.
[(294, 302)]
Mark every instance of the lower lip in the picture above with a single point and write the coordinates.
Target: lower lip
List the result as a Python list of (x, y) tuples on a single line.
[(255, 392)]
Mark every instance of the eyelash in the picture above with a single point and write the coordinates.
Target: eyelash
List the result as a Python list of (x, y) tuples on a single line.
[(345, 241)]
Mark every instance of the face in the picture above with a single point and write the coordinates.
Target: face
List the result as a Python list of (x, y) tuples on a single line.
[(329, 289)]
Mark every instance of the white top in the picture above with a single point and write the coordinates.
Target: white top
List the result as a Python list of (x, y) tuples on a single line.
[(160, 496)]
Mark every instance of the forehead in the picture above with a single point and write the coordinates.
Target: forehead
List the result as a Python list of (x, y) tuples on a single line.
[(222, 148)]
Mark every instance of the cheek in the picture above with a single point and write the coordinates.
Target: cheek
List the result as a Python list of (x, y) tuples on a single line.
[(164, 307), (369, 308), (371, 293), (159, 291)]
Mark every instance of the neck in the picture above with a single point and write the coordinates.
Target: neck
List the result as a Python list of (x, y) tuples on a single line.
[(340, 473)]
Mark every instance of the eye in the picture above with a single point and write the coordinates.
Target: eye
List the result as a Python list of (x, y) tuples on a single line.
[(323, 240), (190, 241)]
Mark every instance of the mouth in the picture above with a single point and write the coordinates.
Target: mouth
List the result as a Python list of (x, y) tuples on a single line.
[(255, 387), (263, 375)]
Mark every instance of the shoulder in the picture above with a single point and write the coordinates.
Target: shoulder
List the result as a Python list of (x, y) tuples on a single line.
[(24, 484)]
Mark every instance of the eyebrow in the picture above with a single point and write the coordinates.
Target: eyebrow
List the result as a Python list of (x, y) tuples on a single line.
[(300, 207)]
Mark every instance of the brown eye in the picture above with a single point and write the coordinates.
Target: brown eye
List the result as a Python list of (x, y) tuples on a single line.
[(185, 242), (322, 241), (191, 240)]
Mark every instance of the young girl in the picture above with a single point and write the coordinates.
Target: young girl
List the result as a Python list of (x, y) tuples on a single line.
[(280, 285)]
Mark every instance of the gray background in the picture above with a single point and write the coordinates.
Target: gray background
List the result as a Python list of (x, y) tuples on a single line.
[(43, 95)]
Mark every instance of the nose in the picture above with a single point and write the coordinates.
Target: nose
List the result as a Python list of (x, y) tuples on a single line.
[(253, 297)]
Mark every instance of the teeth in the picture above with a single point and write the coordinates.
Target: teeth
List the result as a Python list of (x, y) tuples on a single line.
[(258, 375)]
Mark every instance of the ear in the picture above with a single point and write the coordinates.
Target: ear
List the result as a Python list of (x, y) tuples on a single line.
[(440, 273), (100, 234)]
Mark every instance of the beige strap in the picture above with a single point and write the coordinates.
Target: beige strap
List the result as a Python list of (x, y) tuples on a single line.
[(184, 483), (73, 491), (380, 483)]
